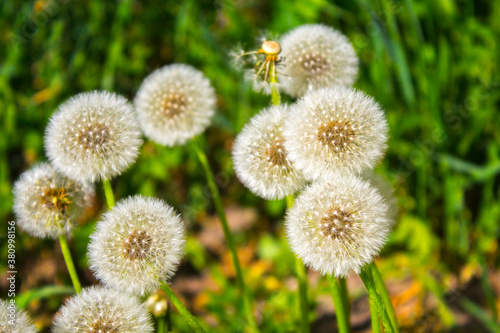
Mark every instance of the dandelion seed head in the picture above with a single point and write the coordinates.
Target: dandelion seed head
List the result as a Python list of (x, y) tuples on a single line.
[(48, 204), (93, 136), (316, 56), (260, 158), (137, 246), (99, 309), (338, 226), (22, 323), (174, 104), (386, 191), (336, 129)]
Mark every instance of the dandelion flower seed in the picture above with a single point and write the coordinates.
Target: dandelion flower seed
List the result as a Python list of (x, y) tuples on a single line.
[(337, 227), (335, 129), (174, 104), (48, 204), (20, 323), (316, 56), (93, 136), (260, 158), (98, 309), (137, 246)]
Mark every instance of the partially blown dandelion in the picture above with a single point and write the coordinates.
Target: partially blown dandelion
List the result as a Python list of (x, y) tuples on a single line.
[(316, 56), (335, 129), (137, 246), (337, 227), (174, 104), (48, 204), (93, 136), (13, 320), (98, 309), (260, 158)]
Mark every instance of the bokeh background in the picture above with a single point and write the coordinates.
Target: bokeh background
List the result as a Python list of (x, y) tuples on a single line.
[(433, 65)]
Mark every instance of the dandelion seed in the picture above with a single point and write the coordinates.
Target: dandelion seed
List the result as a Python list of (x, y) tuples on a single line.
[(137, 246), (48, 204), (174, 104), (335, 129), (260, 158), (337, 227), (93, 136), (98, 309), (19, 322), (385, 189), (316, 56)]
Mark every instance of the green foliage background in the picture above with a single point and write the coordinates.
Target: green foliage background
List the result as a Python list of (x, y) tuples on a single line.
[(433, 65)]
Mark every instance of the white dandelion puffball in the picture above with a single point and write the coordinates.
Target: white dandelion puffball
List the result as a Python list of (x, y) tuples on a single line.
[(137, 246), (335, 129), (337, 227), (13, 320), (260, 159), (316, 56), (93, 136), (99, 309), (47, 203), (174, 104)]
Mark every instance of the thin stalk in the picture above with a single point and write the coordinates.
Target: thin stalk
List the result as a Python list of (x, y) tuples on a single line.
[(302, 280), (108, 192), (345, 296), (63, 242), (160, 327), (374, 317), (341, 308), (273, 81), (188, 317), (382, 290), (376, 299), (227, 232)]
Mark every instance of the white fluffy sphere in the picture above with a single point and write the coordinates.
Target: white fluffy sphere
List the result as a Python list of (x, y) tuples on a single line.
[(20, 323), (260, 159), (174, 104), (47, 203), (316, 56), (93, 136), (99, 309), (337, 227), (335, 129), (137, 246)]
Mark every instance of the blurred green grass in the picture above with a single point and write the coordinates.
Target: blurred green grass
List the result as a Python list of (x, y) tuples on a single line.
[(433, 65)]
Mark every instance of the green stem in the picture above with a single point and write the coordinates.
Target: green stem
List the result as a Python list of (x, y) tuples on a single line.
[(302, 280), (160, 327), (108, 192), (227, 232), (376, 299), (273, 81), (345, 296), (382, 290), (374, 317), (341, 308), (188, 317), (69, 263)]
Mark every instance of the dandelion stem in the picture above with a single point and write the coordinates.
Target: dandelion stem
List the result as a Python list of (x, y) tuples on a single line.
[(374, 317), (302, 279), (345, 297), (341, 306), (382, 290), (188, 317), (108, 192), (160, 327), (376, 299), (227, 232), (69, 263)]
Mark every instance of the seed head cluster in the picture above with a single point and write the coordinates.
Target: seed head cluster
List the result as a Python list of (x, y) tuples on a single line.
[(316, 56), (174, 104), (49, 204), (99, 309), (137, 246), (335, 129), (93, 136), (21, 322), (337, 227), (260, 158)]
